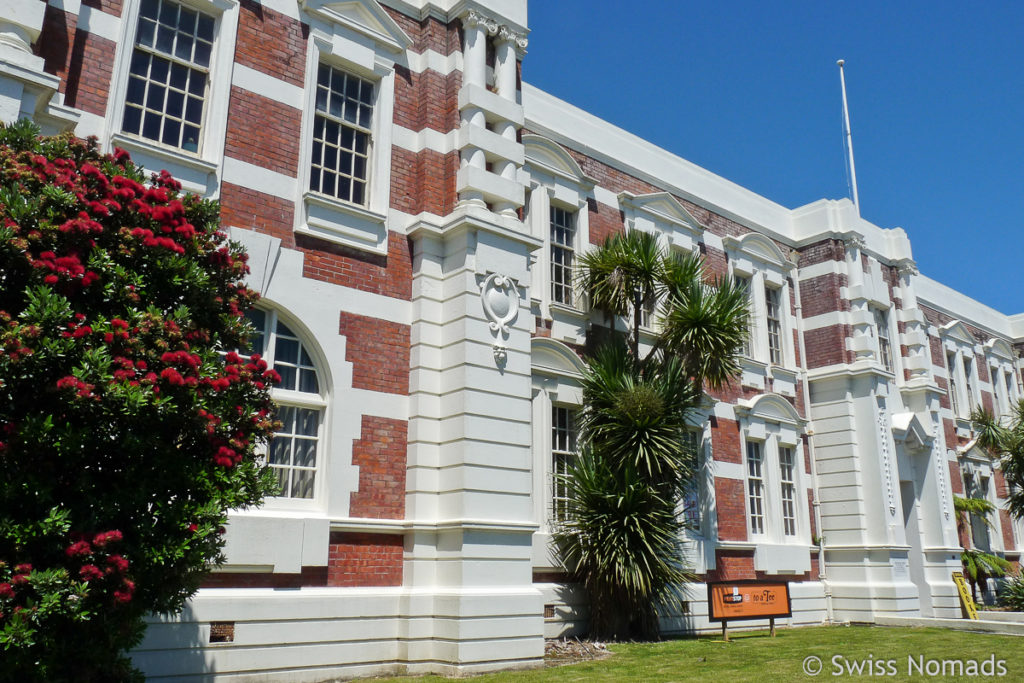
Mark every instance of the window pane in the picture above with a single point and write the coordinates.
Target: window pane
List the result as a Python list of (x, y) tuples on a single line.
[(302, 484), (344, 106), (132, 119), (280, 450), (308, 381), (167, 53), (307, 422)]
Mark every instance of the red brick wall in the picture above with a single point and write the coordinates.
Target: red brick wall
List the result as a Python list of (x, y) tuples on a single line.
[(725, 440), (956, 481), (603, 221), (380, 455), (821, 295), (1002, 491), (810, 514), (429, 34), (263, 132), (1006, 523), (378, 351), (826, 345), (389, 276), (427, 99), (730, 505), (732, 565), (423, 181), (83, 61), (826, 250), (271, 42), (364, 560)]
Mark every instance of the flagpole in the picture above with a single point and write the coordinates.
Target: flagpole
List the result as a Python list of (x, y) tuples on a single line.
[(849, 137)]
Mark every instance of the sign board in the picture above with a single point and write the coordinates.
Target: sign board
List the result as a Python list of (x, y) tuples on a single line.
[(738, 600), (966, 601)]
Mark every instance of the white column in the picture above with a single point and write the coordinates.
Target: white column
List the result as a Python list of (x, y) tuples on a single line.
[(862, 344), (476, 28), (914, 334), (505, 81)]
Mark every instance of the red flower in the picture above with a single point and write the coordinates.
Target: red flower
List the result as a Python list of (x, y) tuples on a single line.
[(102, 539), (89, 572), (172, 376), (193, 528), (26, 568), (6, 590), (116, 563), (79, 549), (125, 594), (20, 579)]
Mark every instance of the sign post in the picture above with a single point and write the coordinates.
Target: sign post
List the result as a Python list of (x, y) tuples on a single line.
[(740, 600), (966, 601)]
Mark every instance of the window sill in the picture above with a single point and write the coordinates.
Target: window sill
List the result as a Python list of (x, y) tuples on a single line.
[(345, 224), (194, 172), (566, 309)]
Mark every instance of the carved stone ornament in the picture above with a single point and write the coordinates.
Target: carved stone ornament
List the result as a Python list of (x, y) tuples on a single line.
[(474, 18), (907, 267), (500, 298), (854, 241), (506, 34)]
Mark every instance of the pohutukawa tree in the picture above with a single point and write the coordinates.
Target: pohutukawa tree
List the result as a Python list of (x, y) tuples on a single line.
[(127, 427), (622, 534)]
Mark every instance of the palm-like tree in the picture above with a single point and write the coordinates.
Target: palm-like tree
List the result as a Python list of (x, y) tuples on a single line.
[(977, 564), (1005, 442), (622, 534), (703, 323), (623, 276)]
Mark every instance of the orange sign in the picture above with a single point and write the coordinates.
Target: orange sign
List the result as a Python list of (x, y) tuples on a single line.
[(736, 600)]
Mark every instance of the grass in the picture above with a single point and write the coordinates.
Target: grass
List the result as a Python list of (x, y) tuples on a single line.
[(758, 658)]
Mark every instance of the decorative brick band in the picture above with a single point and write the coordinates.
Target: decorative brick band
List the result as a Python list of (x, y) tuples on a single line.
[(380, 454), (250, 209), (277, 125), (359, 559), (378, 351), (826, 346), (339, 265), (821, 295)]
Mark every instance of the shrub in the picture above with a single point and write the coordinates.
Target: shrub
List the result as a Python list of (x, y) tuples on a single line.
[(125, 431), (1011, 594)]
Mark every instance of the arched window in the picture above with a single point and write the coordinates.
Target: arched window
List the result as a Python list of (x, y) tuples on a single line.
[(294, 453)]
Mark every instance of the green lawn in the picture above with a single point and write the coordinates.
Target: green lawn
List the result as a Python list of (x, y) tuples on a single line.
[(756, 657)]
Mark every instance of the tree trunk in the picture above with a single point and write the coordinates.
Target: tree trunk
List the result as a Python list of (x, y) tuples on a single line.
[(637, 300)]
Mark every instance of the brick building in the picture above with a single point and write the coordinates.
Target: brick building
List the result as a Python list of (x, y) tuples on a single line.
[(412, 210)]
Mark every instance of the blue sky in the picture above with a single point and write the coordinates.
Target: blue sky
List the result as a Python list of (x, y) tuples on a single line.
[(750, 90)]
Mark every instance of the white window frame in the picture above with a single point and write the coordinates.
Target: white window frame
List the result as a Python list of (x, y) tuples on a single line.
[(756, 506), (197, 171), (572, 247), (542, 198), (758, 260), (337, 42), (882, 329), (695, 498), (573, 413), (300, 399), (774, 424)]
